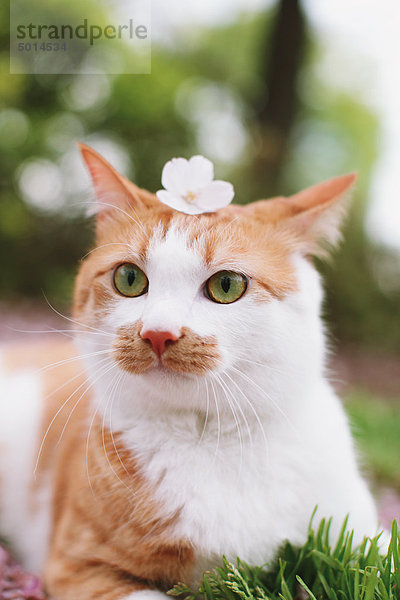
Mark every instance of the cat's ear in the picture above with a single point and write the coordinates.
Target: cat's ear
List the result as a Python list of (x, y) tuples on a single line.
[(314, 215), (112, 190)]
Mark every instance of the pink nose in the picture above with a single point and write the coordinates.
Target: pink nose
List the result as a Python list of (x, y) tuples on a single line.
[(158, 340)]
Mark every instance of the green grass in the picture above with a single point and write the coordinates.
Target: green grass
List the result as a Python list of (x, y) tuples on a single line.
[(315, 571), (376, 427)]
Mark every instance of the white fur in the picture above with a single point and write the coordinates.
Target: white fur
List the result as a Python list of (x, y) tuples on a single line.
[(246, 458), (24, 518)]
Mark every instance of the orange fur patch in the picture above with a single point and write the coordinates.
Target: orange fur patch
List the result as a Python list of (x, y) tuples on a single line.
[(132, 352), (192, 353), (109, 535)]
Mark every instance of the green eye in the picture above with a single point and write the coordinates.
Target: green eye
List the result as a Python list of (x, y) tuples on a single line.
[(226, 287), (130, 281)]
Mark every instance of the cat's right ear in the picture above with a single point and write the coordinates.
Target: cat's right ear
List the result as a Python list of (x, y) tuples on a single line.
[(113, 191), (313, 216)]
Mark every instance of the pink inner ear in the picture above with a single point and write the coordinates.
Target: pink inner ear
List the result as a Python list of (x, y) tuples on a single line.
[(109, 185), (323, 193)]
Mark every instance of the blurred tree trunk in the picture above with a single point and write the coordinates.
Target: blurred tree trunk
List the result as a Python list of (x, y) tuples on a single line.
[(277, 112)]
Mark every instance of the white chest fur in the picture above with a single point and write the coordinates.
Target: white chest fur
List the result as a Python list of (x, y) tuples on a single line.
[(244, 497)]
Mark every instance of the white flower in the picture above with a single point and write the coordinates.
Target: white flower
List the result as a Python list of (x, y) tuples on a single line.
[(189, 186)]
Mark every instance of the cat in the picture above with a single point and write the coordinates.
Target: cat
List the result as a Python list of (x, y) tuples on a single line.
[(191, 415)]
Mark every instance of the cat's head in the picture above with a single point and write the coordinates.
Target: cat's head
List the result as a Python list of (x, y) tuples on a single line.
[(218, 297)]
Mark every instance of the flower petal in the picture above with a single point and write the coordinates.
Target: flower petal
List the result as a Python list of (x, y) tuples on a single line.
[(193, 209), (175, 175), (189, 186), (200, 173), (178, 203), (172, 200), (215, 195)]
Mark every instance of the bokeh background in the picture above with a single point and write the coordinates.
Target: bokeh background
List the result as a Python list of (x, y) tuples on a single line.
[(280, 94)]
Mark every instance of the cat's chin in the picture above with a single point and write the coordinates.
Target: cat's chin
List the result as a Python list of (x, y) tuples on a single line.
[(161, 381), (165, 373), (161, 387)]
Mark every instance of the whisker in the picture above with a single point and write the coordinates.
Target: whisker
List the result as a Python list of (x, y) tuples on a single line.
[(207, 411), (104, 246), (114, 207), (91, 425), (253, 410), (253, 362), (218, 419), (79, 374), (269, 398), (237, 404), (54, 330), (87, 449), (226, 226), (73, 320), (74, 335), (84, 331), (267, 365), (109, 403), (78, 401), (111, 428), (52, 421), (72, 359), (234, 418)]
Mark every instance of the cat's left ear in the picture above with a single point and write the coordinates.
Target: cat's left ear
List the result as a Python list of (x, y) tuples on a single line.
[(314, 215), (112, 190)]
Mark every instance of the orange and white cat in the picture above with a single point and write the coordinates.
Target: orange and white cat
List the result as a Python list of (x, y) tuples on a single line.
[(191, 415)]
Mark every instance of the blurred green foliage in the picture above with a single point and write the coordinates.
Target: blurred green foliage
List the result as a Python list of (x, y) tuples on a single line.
[(154, 117), (376, 426)]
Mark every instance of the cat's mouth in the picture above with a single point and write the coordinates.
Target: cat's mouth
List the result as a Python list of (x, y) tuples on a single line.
[(190, 354)]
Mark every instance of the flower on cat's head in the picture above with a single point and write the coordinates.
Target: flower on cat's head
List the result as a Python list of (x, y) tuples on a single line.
[(190, 187)]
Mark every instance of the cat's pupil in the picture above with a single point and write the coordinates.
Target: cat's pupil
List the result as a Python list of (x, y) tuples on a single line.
[(225, 284), (131, 277)]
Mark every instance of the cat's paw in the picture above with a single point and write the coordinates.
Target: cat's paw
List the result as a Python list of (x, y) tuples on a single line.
[(147, 595)]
